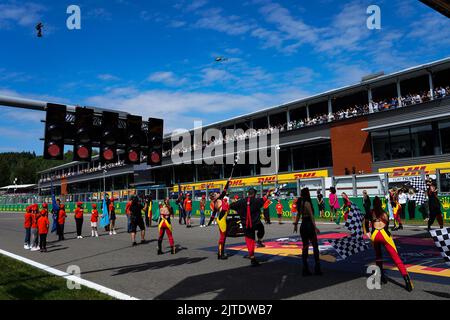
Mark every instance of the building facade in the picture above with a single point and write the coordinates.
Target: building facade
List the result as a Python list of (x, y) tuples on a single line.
[(396, 123)]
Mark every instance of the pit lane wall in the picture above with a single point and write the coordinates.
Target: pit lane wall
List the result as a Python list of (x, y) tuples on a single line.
[(120, 208)]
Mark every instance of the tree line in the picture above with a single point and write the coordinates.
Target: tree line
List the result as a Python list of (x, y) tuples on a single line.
[(25, 167)]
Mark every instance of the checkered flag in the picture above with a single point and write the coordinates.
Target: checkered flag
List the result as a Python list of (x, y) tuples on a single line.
[(441, 239), (349, 246), (420, 197), (419, 184), (353, 243), (354, 222)]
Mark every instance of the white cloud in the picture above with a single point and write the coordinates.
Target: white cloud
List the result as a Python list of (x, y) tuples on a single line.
[(196, 4), (167, 78), (214, 19), (177, 24), (107, 77), (431, 28), (25, 15), (100, 14), (180, 108), (214, 76)]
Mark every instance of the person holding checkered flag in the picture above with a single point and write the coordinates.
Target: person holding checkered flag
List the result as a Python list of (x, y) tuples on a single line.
[(435, 208), (381, 237)]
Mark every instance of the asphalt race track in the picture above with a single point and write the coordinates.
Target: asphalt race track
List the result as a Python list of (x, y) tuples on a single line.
[(195, 273)]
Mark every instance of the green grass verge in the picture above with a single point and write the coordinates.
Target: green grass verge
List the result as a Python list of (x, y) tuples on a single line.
[(19, 281)]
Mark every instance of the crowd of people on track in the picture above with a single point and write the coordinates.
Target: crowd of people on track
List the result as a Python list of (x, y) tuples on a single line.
[(252, 211)]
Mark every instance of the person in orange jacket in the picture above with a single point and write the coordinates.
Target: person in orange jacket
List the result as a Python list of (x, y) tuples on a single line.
[(43, 225), (94, 220), (27, 226), (279, 208), (128, 213), (61, 221), (266, 211), (294, 210), (34, 227), (79, 212)]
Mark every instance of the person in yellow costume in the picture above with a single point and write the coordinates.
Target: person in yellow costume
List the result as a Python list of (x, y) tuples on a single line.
[(164, 226), (219, 209)]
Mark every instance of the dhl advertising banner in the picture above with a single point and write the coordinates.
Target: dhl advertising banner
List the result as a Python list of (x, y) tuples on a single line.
[(254, 181), (287, 204), (413, 170)]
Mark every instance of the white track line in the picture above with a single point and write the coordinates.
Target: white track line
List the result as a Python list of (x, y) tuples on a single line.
[(86, 283)]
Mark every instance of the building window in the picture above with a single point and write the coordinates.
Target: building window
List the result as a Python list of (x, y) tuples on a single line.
[(400, 143), (422, 140), (312, 157), (444, 130), (284, 160), (208, 172), (380, 143)]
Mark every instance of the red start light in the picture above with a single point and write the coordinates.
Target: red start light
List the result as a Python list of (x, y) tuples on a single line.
[(155, 157), (133, 156), (83, 152), (54, 150), (108, 154)]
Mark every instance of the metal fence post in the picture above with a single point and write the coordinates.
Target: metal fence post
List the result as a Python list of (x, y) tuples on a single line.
[(438, 179), (355, 191)]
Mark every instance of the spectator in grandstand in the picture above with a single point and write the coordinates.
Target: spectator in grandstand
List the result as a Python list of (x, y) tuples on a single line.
[(334, 203), (112, 218), (279, 208), (27, 225), (61, 221), (366, 203), (94, 221), (308, 232), (187, 206), (43, 226), (435, 207), (137, 220), (202, 211), (79, 211), (320, 203)]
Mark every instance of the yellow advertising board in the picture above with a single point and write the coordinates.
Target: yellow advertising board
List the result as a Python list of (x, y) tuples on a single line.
[(413, 169), (252, 181)]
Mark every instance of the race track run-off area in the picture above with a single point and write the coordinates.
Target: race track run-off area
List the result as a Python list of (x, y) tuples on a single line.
[(196, 273)]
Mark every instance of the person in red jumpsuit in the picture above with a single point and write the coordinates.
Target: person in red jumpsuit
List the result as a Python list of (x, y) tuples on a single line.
[(381, 237), (165, 226)]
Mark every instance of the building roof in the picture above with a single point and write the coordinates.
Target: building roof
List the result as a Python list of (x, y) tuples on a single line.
[(378, 81), (19, 186)]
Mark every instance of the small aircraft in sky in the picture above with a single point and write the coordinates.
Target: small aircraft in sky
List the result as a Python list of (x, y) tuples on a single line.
[(221, 59)]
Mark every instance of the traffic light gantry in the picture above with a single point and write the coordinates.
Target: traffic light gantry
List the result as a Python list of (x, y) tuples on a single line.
[(87, 128)]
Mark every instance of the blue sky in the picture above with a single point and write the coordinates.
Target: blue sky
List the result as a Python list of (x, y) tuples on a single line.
[(156, 58)]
